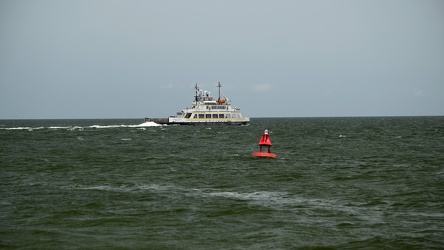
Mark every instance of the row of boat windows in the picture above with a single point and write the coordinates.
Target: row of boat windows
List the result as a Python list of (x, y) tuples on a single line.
[(211, 106), (215, 116), (217, 107)]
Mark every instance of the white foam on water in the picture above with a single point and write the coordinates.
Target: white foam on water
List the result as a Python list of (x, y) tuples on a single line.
[(155, 187), (270, 199), (18, 128), (55, 127), (283, 200), (145, 124), (104, 188), (262, 195), (122, 188), (108, 126), (262, 198), (148, 124), (72, 128), (63, 127)]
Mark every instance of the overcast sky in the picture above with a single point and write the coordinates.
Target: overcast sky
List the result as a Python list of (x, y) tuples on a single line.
[(275, 58)]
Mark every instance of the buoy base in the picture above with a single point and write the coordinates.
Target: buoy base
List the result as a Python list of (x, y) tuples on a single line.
[(264, 155)]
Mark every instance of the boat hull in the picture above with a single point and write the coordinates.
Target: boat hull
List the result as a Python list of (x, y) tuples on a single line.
[(166, 121)]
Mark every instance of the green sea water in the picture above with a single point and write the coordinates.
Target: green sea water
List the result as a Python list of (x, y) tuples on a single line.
[(338, 183)]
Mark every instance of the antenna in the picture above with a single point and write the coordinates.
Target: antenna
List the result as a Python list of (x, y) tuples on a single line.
[(197, 90), (219, 86)]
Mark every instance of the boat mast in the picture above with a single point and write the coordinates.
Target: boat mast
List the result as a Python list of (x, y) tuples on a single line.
[(197, 90), (219, 86)]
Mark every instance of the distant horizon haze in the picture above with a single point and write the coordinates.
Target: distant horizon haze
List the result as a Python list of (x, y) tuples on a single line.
[(115, 59)]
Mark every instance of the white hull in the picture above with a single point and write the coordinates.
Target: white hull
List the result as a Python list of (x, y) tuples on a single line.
[(185, 121)]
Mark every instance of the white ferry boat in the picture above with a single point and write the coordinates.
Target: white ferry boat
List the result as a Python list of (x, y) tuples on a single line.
[(206, 110)]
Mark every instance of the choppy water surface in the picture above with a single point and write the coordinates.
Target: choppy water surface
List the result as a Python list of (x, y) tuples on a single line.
[(337, 183)]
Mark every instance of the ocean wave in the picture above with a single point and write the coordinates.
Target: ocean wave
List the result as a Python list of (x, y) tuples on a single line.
[(261, 195), (23, 128), (142, 125), (72, 128)]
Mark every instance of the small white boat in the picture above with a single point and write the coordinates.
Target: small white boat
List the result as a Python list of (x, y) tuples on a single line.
[(206, 110)]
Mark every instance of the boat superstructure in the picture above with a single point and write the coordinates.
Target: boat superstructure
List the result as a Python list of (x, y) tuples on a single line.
[(205, 109)]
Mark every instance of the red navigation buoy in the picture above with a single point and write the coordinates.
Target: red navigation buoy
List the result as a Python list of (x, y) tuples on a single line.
[(265, 141)]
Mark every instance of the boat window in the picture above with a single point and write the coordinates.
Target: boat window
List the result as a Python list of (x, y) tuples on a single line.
[(215, 116), (201, 116), (221, 115), (208, 116), (188, 115)]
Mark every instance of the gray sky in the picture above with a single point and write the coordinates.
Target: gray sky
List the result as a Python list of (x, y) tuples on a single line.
[(131, 59)]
